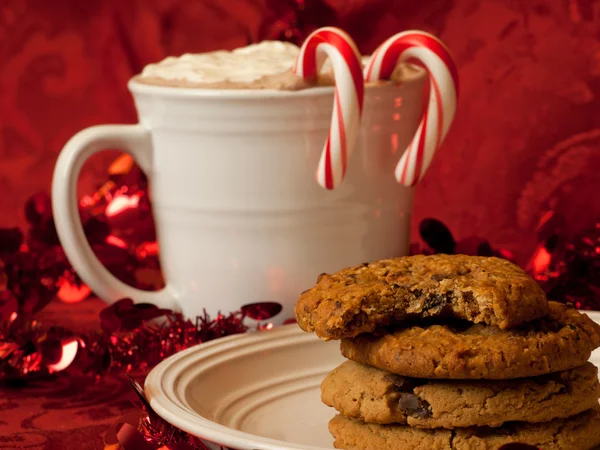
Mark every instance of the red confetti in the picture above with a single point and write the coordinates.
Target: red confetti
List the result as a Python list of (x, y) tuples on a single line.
[(70, 292)]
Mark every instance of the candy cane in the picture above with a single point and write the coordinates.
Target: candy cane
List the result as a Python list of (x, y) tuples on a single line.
[(348, 102), (428, 52)]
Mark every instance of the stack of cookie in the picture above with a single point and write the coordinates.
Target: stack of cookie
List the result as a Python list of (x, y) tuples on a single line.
[(453, 352)]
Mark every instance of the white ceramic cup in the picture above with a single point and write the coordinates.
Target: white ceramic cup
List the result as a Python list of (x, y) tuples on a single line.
[(240, 218)]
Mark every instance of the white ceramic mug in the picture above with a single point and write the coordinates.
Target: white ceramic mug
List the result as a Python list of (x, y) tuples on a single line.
[(240, 218)]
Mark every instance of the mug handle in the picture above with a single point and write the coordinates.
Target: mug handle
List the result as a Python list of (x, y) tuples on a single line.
[(133, 139)]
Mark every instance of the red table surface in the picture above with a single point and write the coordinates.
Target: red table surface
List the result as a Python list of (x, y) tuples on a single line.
[(63, 413)]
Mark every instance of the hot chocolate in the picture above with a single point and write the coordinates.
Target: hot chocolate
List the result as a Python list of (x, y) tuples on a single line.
[(267, 65)]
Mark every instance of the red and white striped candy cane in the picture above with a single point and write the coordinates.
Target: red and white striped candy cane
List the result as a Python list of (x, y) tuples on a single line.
[(348, 102), (427, 51)]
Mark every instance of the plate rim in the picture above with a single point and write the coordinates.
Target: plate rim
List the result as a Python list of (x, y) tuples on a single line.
[(202, 427), (214, 432)]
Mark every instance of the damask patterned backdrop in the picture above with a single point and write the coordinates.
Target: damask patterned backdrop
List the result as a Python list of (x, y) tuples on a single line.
[(525, 140)]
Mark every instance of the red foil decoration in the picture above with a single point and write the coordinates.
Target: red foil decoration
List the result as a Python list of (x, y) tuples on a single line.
[(569, 269)]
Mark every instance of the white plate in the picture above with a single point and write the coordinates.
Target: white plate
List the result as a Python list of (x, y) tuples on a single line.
[(254, 391)]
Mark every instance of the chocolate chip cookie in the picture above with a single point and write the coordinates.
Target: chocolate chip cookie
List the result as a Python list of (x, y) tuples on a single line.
[(373, 396), (562, 340), (478, 289), (581, 432)]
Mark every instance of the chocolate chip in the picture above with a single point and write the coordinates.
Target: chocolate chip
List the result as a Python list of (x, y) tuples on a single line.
[(414, 406), (409, 402), (438, 277), (435, 301)]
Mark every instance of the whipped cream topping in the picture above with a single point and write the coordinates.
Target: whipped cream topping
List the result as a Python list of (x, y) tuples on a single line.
[(242, 65)]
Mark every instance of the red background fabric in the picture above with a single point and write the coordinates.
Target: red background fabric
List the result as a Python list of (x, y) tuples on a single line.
[(525, 140)]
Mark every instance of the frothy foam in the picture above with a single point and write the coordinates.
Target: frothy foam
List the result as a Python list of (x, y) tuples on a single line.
[(243, 65), (266, 65)]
